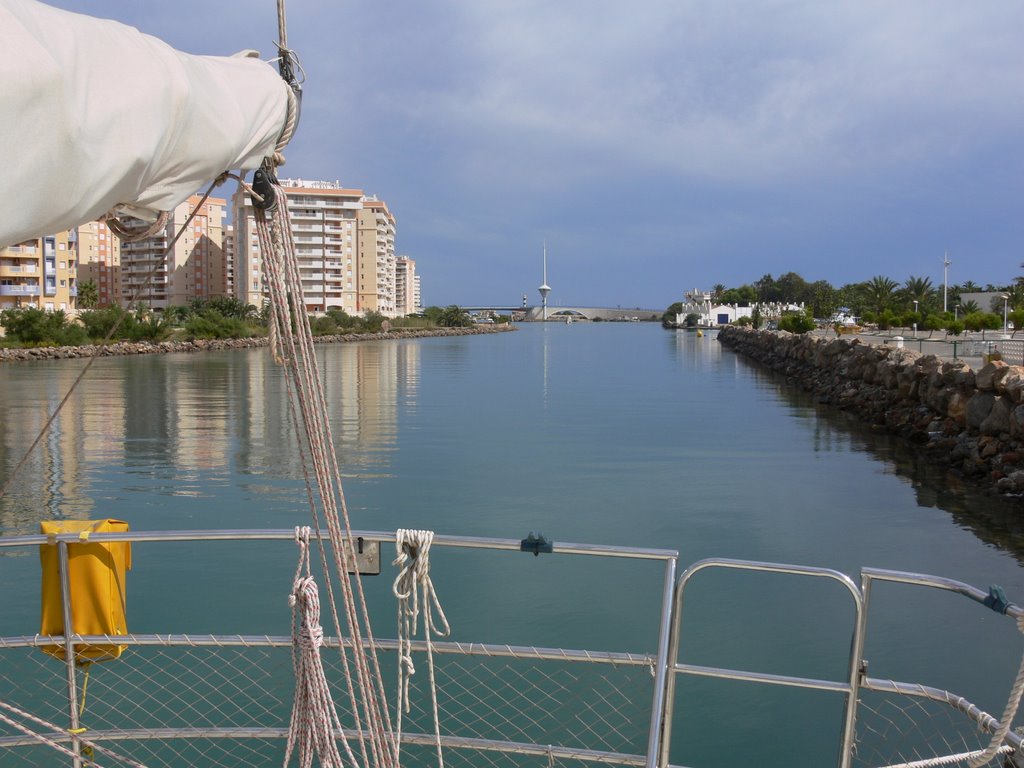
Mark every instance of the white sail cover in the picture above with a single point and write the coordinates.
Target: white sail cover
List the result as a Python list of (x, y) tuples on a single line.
[(94, 114)]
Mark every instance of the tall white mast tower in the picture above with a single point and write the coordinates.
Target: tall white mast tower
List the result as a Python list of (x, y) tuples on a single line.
[(945, 281), (544, 289)]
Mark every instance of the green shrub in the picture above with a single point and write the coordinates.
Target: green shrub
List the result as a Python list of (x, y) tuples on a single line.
[(323, 326), (33, 326), (796, 322), (213, 325)]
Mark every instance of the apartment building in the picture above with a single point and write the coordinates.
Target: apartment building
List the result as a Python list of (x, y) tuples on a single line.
[(376, 265), (98, 252), (195, 267), (40, 273), (229, 260), (344, 241), (407, 286)]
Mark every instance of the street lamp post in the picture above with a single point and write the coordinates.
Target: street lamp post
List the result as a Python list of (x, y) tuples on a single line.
[(1006, 299), (915, 319), (956, 311)]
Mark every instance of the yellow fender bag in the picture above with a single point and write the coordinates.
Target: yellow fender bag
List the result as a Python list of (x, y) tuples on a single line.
[(96, 577)]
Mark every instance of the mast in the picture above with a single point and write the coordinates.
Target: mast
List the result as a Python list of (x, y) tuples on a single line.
[(945, 281)]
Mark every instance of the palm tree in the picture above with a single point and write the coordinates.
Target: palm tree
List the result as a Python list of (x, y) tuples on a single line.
[(880, 291), (717, 291), (970, 287), (918, 289), (88, 295), (454, 316)]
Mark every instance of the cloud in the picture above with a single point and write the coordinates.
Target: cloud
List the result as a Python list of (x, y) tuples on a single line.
[(721, 93)]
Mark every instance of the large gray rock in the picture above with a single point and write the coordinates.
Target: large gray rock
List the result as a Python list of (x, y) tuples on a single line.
[(985, 378), (978, 409), (1017, 422), (998, 420), (1012, 384)]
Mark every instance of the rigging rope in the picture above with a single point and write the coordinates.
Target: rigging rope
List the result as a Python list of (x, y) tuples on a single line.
[(414, 587), (292, 345), (51, 742)]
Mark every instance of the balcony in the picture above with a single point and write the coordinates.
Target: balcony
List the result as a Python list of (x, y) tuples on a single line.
[(19, 290)]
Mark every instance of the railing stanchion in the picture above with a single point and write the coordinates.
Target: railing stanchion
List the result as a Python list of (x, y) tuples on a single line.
[(665, 632), (69, 649)]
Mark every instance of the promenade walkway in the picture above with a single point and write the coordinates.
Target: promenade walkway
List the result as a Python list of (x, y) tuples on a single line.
[(969, 347)]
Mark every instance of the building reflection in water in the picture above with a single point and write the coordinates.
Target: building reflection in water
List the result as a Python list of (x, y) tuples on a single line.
[(188, 425), (50, 484)]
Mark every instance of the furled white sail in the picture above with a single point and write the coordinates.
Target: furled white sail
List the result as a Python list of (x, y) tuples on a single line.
[(95, 114)]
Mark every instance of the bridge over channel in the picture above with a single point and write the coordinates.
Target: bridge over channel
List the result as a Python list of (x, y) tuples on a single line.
[(555, 314)]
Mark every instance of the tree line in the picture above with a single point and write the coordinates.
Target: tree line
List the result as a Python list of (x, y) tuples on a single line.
[(216, 318)]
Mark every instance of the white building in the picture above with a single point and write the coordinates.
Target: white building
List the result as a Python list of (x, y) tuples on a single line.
[(709, 315)]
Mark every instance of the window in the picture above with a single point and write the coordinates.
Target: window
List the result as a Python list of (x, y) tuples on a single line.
[(63, 265)]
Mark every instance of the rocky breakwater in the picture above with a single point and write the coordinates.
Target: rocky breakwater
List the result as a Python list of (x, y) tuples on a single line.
[(972, 421), (208, 345)]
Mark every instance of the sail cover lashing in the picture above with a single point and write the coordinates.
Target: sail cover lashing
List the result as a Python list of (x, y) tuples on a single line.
[(95, 115)]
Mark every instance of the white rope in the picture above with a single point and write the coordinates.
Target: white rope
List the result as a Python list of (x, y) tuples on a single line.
[(57, 745), (1006, 721), (293, 347), (412, 587), (949, 759), (314, 720)]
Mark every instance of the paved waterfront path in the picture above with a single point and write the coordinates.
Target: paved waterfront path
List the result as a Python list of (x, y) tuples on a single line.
[(970, 347)]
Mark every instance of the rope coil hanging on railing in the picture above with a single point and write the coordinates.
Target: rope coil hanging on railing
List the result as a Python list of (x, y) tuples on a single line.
[(414, 588), (314, 720)]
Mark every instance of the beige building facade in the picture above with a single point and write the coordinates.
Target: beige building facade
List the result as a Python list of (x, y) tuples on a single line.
[(344, 240), (377, 258), (323, 218), (407, 286), (195, 267), (99, 261), (40, 273)]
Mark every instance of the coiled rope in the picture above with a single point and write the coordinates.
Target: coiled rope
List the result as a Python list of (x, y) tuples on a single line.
[(314, 718), (413, 587)]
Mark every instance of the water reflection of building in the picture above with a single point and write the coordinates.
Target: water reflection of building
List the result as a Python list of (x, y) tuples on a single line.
[(50, 484), (363, 385), (179, 420), (362, 392), (197, 396)]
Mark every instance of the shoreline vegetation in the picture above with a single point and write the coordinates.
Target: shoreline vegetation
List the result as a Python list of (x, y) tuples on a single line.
[(221, 323), (122, 348)]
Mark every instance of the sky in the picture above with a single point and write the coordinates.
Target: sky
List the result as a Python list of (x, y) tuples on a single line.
[(655, 146)]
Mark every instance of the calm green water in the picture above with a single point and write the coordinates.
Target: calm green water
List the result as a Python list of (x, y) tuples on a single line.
[(599, 433)]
